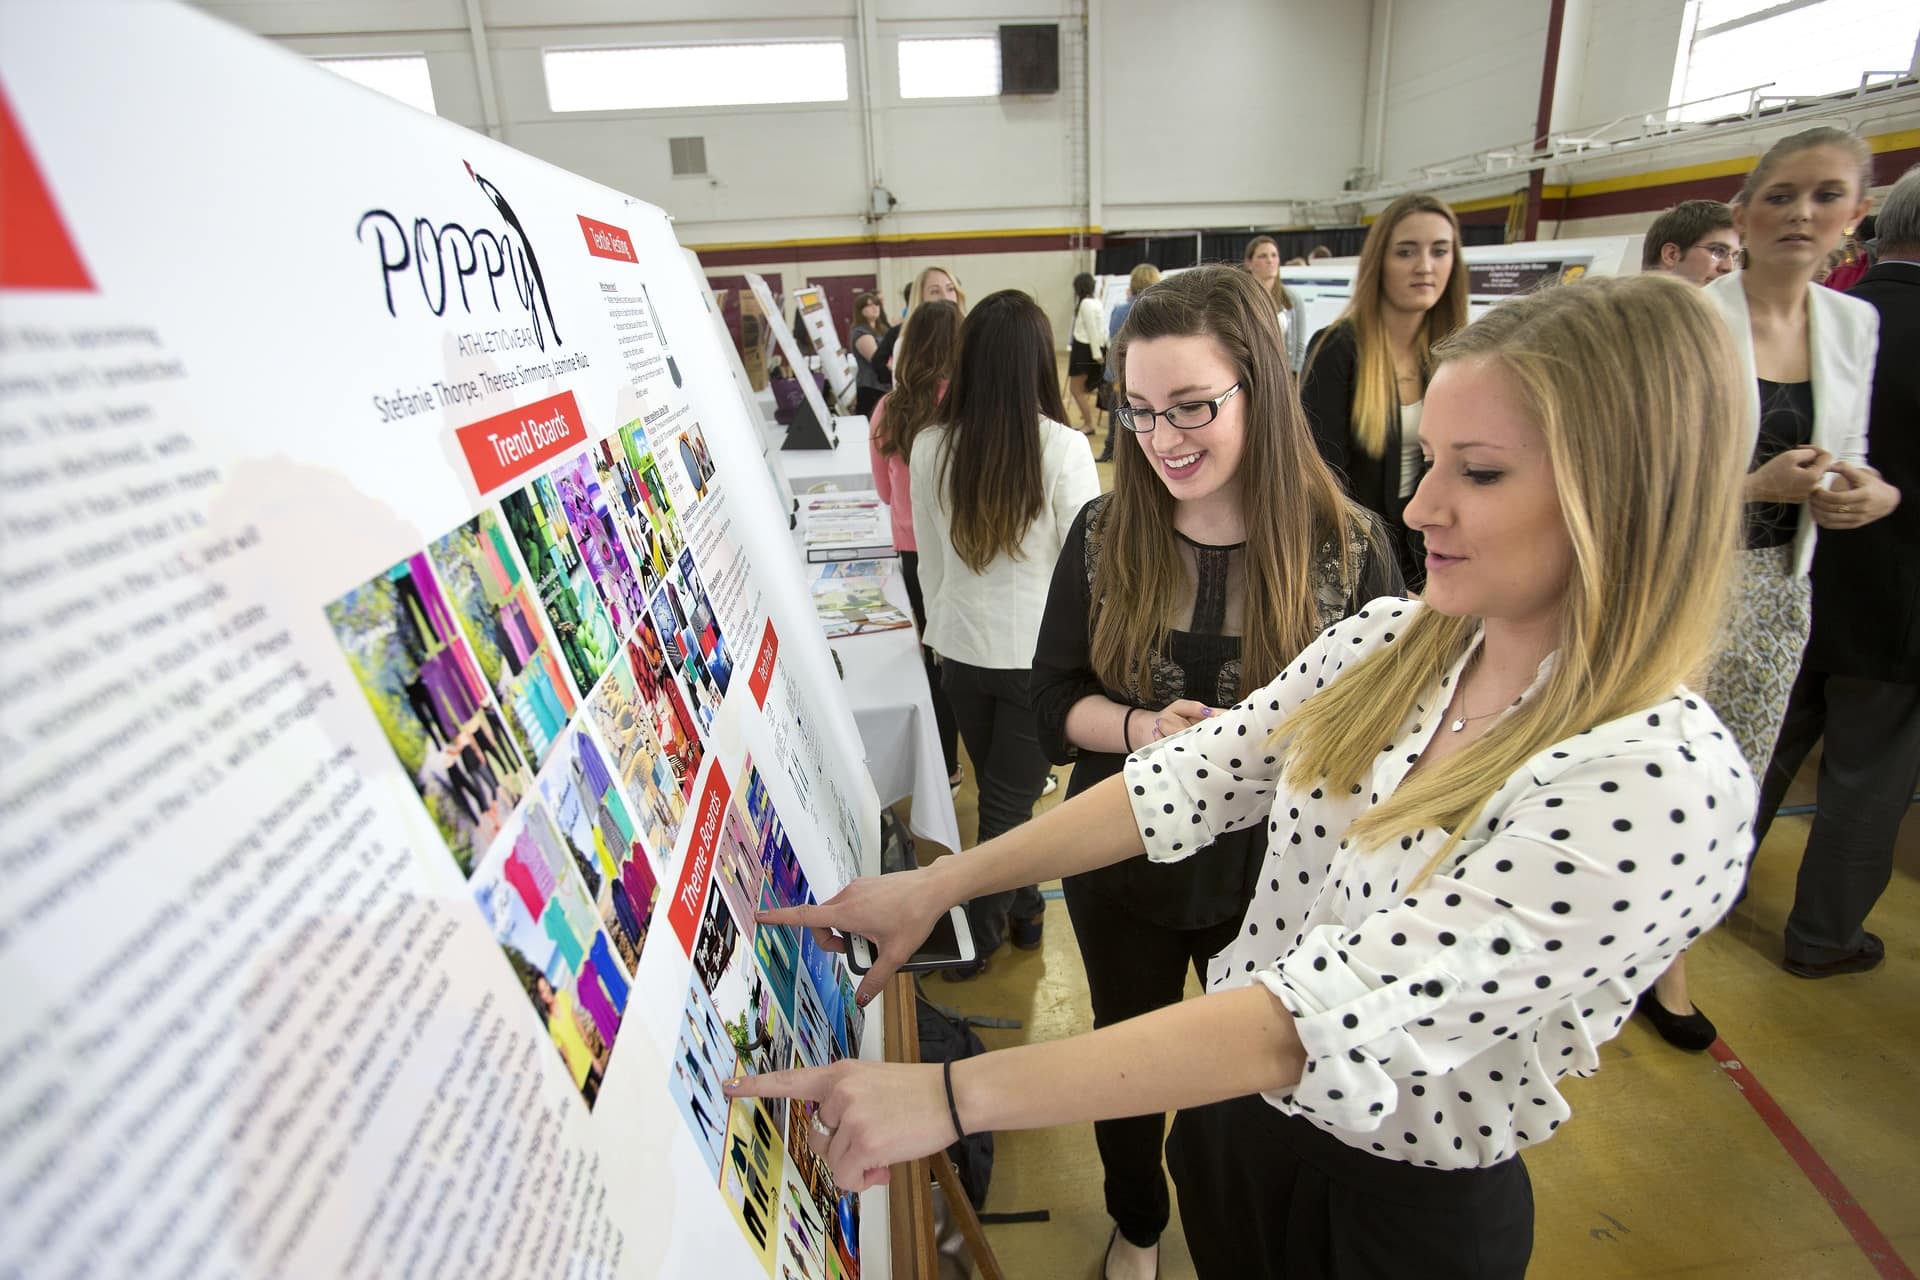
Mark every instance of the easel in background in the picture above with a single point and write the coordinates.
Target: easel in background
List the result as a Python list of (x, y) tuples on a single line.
[(910, 1195)]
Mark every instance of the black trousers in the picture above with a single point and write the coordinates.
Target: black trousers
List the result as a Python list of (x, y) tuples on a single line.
[(994, 713), (1264, 1196), (1868, 770), (867, 399), (942, 712), (1133, 967)]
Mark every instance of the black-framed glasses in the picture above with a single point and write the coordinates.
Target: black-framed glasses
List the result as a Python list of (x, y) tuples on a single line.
[(1188, 415)]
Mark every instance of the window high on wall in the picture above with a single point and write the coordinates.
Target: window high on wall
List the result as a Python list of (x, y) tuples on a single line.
[(950, 67), (403, 77), (654, 77), (1797, 48)]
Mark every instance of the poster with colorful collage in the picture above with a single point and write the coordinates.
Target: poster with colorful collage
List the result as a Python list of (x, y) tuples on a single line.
[(583, 501), (653, 488), (673, 637), (778, 998), (669, 715), (623, 718), (530, 894), (605, 844), (625, 498), (502, 623), (703, 1059), (587, 638), (433, 703)]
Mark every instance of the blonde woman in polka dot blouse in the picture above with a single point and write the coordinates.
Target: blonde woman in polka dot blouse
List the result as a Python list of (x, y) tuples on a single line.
[(1492, 818)]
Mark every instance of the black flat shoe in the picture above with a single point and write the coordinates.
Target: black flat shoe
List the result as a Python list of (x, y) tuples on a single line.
[(1692, 1032), (1869, 956)]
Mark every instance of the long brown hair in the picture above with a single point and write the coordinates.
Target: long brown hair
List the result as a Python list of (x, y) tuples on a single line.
[(1004, 381), (1375, 395), (1290, 500), (927, 352), (1282, 300), (1634, 385)]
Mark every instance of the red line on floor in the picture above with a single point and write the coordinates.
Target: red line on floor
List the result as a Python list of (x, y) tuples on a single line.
[(1818, 1171)]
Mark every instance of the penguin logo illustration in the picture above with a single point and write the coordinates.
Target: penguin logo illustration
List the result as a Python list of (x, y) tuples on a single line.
[(492, 193)]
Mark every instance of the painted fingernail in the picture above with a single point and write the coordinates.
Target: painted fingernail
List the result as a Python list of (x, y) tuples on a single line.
[(863, 1000), (734, 1083)]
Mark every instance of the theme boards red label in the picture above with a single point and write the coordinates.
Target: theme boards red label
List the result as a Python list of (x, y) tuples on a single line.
[(710, 813), (604, 240), (762, 678), (511, 444)]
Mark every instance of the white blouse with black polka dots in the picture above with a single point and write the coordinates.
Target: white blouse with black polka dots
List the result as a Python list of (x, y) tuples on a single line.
[(1437, 1021)]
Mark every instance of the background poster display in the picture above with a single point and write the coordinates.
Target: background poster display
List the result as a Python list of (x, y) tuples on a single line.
[(796, 363), (409, 697), (835, 361)]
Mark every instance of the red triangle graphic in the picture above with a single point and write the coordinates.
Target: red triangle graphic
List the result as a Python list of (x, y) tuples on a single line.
[(35, 250)]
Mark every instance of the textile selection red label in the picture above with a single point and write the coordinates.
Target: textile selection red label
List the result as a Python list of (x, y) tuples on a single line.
[(513, 443), (685, 911), (762, 678), (604, 240)]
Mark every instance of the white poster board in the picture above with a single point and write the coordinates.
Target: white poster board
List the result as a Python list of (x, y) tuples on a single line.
[(1495, 272), (408, 700), (835, 361), (790, 352)]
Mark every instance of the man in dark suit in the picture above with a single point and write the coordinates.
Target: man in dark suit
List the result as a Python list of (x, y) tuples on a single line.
[(1859, 685)]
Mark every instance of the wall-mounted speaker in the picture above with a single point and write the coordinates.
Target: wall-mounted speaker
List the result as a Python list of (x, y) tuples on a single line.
[(1030, 58)]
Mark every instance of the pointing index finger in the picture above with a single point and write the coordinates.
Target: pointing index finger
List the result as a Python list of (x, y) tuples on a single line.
[(809, 1084), (806, 917)]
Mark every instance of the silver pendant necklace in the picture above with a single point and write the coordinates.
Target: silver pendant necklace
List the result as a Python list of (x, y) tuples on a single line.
[(1458, 723)]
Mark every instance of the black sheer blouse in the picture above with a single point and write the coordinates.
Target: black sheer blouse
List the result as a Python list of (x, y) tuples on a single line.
[(1201, 662)]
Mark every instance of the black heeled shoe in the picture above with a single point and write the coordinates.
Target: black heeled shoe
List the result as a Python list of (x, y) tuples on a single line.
[(1692, 1031)]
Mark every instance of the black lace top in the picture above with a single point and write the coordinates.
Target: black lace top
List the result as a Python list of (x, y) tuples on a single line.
[(1786, 422), (1201, 661)]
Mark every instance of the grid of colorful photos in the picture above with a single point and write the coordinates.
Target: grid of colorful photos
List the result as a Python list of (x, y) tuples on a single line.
[(688, 635), (621, 482), (583, 500), (496, 609), (530, 894), (433, 703), (763, 998), (580, 624), (623, 716), (653, 488), (592, 814)]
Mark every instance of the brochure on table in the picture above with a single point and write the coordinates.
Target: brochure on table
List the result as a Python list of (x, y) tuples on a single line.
[(835, 361), (790, 352), (408, 696)]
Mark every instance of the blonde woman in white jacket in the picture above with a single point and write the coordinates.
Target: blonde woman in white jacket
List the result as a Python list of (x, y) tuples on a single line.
[(1808, 356)]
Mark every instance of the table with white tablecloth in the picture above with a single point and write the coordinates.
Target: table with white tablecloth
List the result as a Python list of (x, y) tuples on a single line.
[(886, 684)]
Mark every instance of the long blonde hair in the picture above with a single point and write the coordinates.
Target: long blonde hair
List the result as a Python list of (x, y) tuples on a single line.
[(1633, 383), (1290, 500), (1375, 395)]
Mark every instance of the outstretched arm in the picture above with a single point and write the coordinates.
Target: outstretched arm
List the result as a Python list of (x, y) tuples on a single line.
[(877, 1114), (896, 912)]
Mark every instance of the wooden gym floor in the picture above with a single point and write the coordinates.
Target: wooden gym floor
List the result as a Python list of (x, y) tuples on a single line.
[(1798, 1156)]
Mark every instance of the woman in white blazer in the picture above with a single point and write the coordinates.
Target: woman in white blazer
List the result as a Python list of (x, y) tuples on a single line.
[(995, 488), (1807, 356)]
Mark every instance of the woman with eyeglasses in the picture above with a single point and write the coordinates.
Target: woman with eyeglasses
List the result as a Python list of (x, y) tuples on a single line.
[(995, 484), (1366, 374), (1492, 815), (1225, 547)]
